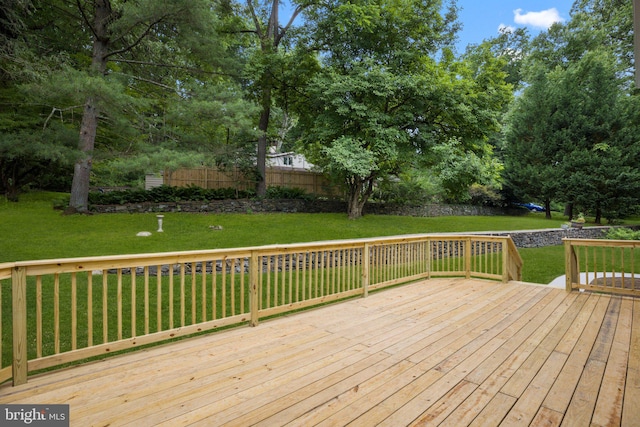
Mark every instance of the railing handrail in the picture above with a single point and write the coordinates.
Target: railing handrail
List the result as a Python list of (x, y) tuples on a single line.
[(599, 271), (248, 249), (345, 267), (5, 270), (605, 242)]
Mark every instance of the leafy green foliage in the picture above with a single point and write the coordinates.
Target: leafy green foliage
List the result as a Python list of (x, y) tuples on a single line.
[(412, 188), (481, 195), (530, 151), (286, 193), (28, 156), (165, 193), (458, 169), (382, 102), (623, 233), (604, 24), (139, 74), (571, 137)]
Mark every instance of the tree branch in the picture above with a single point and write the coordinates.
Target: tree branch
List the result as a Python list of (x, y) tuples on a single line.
[(162, 85), (138, 40), (284, 30), (58, 110), (180, 67), (254, 17), (85, 18)]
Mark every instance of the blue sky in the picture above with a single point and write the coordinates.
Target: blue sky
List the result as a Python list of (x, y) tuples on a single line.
[(482, 19)]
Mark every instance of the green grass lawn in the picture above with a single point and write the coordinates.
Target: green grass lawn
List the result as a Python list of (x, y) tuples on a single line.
[(31, 230)]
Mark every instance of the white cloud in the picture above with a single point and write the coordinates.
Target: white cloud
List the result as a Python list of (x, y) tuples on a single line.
[(502, 29), (543, 19)]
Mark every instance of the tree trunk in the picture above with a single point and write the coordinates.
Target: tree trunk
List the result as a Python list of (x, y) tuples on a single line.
[(261, 159), (79, 200), (598, 219), (568, 210), (354, 209), (9, 182), (359, 192), (547, 209), (12, 190)]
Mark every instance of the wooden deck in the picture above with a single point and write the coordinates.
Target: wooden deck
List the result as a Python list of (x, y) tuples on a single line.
[(448, 352)]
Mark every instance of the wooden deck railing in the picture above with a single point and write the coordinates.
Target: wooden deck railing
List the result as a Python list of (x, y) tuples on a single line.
[(59, 311), (603, 265)]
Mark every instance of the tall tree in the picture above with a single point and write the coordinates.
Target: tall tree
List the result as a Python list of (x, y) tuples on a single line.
[(27, 149), (587, 64), (382, 100), (531, 147), (636, 39), (599, 165), (123, 50), (571, 138), (267, 60), (605, 24)]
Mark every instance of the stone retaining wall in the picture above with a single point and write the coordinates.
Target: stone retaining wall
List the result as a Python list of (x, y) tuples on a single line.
[(522, 239), (305, 206), (549, 236)]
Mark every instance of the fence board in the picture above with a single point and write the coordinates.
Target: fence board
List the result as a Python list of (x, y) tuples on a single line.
[(212, 178)]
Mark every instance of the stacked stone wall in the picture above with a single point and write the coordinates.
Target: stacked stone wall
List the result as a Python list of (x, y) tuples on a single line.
[(522, 239), (305, 206)]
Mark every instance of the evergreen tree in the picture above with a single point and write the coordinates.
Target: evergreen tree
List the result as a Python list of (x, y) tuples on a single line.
[(530, 149), (128, 63), (571, 137)]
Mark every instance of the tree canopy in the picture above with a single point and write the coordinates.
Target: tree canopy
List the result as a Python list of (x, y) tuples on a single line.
[(373, 92), (382, 100), (568, 135)]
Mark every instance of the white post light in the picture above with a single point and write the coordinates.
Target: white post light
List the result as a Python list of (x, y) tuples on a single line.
[(160, 217)]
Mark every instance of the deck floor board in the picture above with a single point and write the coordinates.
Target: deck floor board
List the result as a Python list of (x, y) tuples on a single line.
[(450, 352)]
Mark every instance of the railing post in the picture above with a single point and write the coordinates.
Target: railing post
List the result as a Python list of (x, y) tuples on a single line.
[(571, 265), (505, 260), (467, 257), (254, 281), (366, 265), (19, 307), (429, 256)]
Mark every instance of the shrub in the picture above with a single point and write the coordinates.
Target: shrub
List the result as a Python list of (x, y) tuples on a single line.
[(61, 203), (408, 191), (482, 195), (623, 233), (164, 193), (286, 193), (193, 193), (167, 194)]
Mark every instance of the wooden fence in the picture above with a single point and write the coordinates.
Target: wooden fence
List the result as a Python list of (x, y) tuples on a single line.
[(310, 182), (603, 265), (59, 311)]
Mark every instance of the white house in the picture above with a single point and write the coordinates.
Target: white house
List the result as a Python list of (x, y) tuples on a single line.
[(288, 160)]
